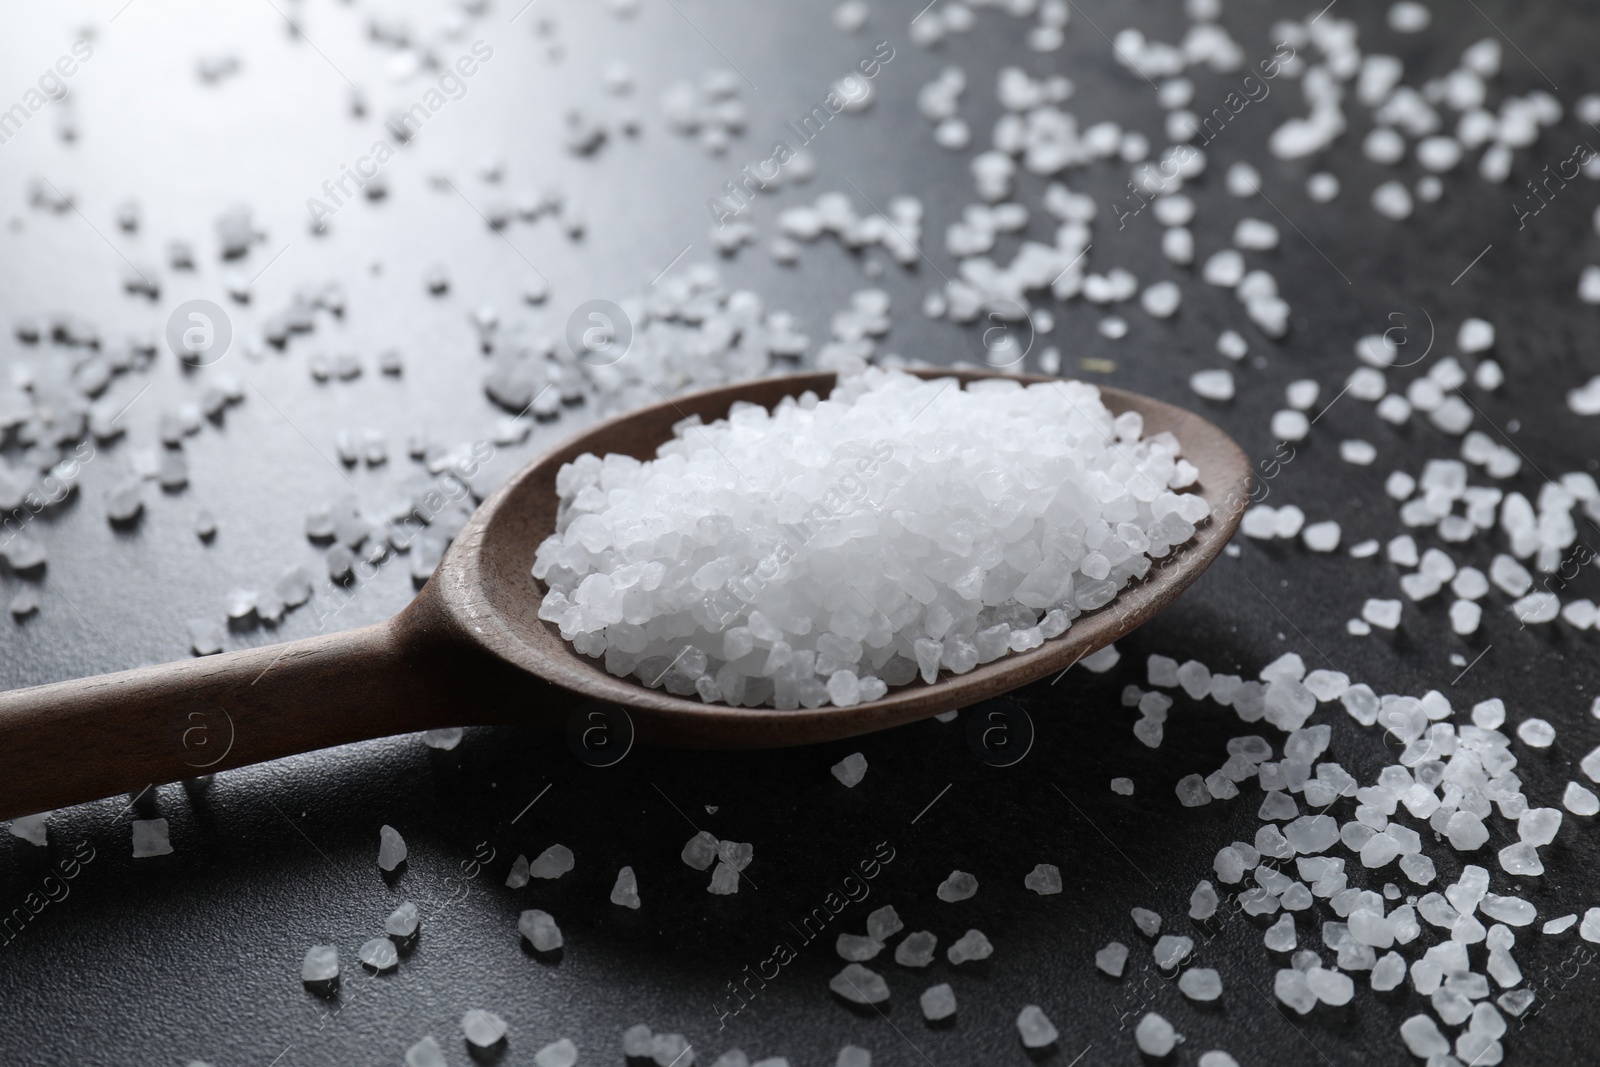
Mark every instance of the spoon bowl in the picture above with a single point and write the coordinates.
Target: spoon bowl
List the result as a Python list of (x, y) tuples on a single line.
[(470, 649)]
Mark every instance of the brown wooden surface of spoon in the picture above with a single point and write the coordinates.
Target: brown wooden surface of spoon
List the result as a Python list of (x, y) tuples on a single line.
[(471, 650)]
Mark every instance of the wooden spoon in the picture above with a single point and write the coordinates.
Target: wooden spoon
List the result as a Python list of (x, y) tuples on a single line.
[(471, 650)]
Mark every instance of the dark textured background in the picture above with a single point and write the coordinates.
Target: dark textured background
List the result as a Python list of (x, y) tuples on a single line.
[(197, 954)]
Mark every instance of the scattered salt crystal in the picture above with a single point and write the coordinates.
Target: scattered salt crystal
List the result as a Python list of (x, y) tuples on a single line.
[(626, 890), (321, 964), (1578, 800), (860, 985), (540, 930), (1538, 826), (1216, 384), (916, 950), (1155, 1036), (553, 862), (857, 949), (1148, 922), (1242, 180), (1044, 879), (1122, 786), (402, 922), (884, 923), (1322, 187), (1536, 733), (724, 880), (938, 1002), (426, 1053), (1322, 536), (561, 1053), (1421, 1035), (1521, 858), (1171, 950), (1035, 1027), (391, 848), (378, 953), (443, 739), (1192, 791), (1112, 959), (851, 769), (483, 1029), (1384, 613), (972, 945), (1200, 984), (700, 851), (150, 838), (959, 885)]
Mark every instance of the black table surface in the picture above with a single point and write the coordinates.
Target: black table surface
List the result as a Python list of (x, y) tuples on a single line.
[(197, 954)]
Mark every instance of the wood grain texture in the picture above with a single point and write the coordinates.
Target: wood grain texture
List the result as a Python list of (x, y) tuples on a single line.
[(471, 650)]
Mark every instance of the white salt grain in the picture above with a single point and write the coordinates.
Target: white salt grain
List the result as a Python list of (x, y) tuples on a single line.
[(851, 770), (321, 964), (483, 1028), (1035, 1027), (391, 848), (1044, 879), (1155, 1036), (959, 885), (378, 953), (150, 838), (1216, 384)]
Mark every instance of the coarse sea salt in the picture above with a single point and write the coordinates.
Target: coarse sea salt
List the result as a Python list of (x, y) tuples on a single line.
[(826, 550)]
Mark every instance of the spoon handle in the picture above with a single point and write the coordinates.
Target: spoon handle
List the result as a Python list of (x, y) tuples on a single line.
[(75, 741)]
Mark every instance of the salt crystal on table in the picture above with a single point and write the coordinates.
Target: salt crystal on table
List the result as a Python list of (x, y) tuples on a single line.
[(859, 985), (321, 964), (1290, 986), (626, 890), (30, 828), (1216, 384), (1384, 613), (972, 945), (637, 1041), (958, 886), (1521, 858), (25, 603), (916, 950), (483, 1028), (561, 1053), (1122, 786), (1538, 826), (519, 873), (724, 880), (1559, 925), (553, 862), (443, 739), (402, 922), (1035, 1027), (669, 1049), (700, 851), (1044, 879), (857, 949), (426, 1053), (1148, 922), (851, 769), (150, 838), (1200, 984), (1171, 950), (1580, 801), (1280, 936), (205, 637), (884, 923), (540, 930), (1322, 536), (938, 1002), (378, 953), (391, 848), (853, 1056), (1536, 733), (1155, 1036)]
